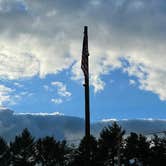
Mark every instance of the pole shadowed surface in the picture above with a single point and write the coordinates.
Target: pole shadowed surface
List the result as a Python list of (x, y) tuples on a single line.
[(85, 68)]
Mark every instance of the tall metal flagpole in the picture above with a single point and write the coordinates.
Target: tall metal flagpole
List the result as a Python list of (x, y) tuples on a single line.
[(85, 68)]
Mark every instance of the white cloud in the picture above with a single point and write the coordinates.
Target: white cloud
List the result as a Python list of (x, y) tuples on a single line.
[(47, 88), (18, 85), (62, 92), (61, 89), (5, 94), (51, 13), (57, 101), (46, 38), (132, 82), (137, 119), (108, 120), (9, 96), (40, 113), (97, 83)]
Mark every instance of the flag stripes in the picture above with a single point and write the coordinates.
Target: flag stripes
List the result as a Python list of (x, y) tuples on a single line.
[(85, 54)]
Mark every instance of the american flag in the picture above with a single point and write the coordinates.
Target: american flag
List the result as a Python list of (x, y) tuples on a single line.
[(85, 53)]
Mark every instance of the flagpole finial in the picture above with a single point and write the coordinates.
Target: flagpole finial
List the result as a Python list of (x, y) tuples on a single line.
[(85, 29)]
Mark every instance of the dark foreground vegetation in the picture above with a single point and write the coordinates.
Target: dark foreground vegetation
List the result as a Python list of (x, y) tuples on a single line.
[(109, 149)]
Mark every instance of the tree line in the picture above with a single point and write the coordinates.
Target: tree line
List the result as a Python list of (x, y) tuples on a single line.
[(112, 148)]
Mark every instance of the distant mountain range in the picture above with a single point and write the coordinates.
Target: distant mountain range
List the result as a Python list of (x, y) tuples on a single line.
[(66, 127)]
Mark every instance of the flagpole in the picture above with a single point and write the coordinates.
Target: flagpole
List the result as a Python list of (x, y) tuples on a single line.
[(85, 68), (87, 122)]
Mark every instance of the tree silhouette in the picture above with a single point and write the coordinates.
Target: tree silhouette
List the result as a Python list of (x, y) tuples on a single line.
[(137, 150), (158, 151), (49, 152), (4, 153), (92, 147), (143, 150), (78, 154), (110, 149), (72, 156), (22, 150), (131, 149), (110, 143)]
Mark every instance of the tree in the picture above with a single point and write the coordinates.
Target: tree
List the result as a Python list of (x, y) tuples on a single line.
[(143, 150), (49, 152), (137, 150), (4, 153), (22, 150), (110, 144), (131, 149), (158, 151), (80, 153)]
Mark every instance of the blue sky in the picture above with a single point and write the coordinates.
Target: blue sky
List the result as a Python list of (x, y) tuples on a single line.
[(119, 100), (40, 53)]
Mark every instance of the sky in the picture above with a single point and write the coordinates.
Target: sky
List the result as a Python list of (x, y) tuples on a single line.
[(40, 57)]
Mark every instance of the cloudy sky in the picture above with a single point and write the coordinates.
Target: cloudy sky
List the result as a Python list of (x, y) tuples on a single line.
[(40, 53)]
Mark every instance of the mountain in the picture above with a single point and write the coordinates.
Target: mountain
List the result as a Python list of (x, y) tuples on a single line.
[(143, 126), (40, 125), (65, 127)]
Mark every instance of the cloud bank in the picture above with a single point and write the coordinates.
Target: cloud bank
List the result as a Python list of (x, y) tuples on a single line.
[(45, 37)]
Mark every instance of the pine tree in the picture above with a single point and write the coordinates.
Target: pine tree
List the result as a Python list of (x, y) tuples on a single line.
[(49, 152), (158, 151), (22, 150), (131, 149), (4, 153), (81, 154), (137, 150), (110, 143), (143, 150)]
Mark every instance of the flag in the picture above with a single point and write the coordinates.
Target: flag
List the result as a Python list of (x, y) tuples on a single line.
[(85, 53)]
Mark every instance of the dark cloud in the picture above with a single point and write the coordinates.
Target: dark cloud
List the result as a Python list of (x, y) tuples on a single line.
[(51, 31)]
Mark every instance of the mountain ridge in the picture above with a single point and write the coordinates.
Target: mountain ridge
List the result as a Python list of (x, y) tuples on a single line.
[(67, 127)]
